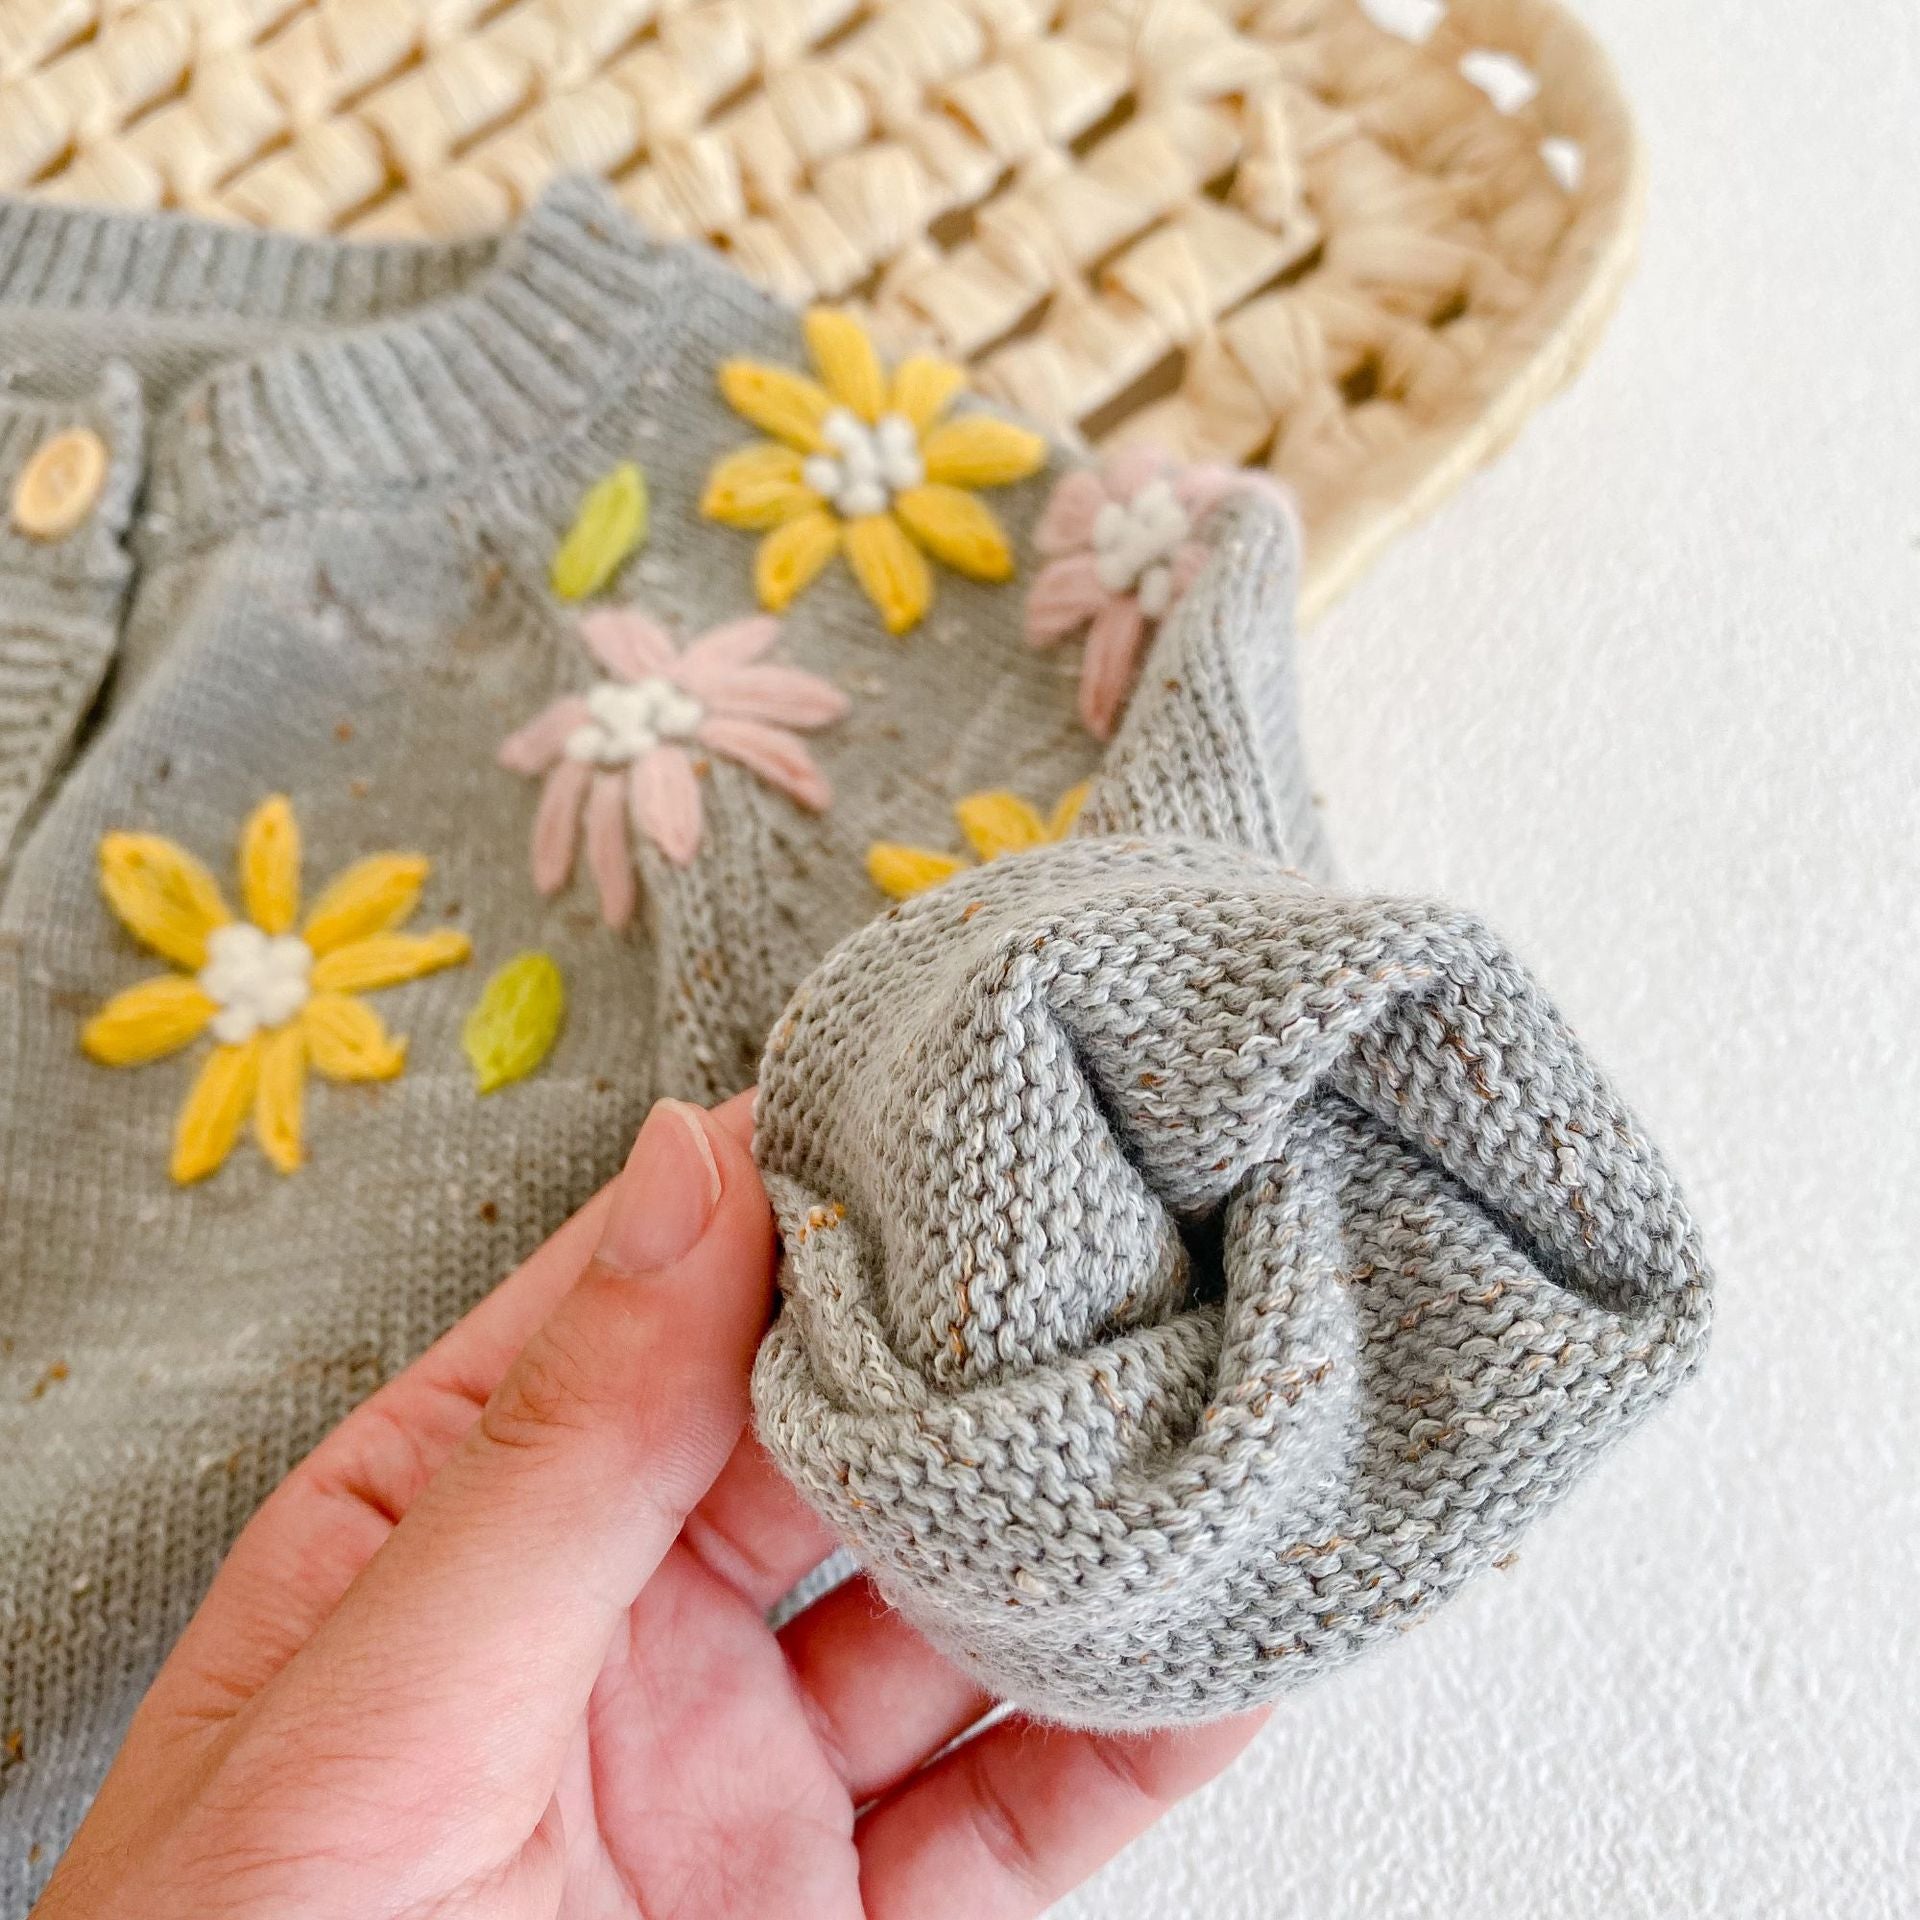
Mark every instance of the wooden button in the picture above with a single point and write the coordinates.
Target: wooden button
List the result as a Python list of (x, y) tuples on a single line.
[(60, 485)]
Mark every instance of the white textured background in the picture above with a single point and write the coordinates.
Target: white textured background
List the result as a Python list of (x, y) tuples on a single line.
[(1647, 695)]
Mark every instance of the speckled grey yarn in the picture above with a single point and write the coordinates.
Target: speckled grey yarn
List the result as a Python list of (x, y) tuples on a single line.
[(1194, 1275), (320, 567)]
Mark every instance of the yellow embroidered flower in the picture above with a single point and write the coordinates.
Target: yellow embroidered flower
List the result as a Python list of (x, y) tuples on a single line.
[(994, 823), (276, 1002), (865, 462)]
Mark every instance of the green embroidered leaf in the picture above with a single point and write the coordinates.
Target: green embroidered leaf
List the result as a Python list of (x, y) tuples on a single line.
[(612, 521), (515, 1021)]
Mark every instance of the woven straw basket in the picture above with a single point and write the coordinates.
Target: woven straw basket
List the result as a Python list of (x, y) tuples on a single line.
[(1356, 243)]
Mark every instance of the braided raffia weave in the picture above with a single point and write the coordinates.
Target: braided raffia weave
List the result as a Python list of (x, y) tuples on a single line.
[(1261, 230), (1127, 1473)]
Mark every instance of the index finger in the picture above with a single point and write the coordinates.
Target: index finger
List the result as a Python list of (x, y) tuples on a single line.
[(472, 1357)]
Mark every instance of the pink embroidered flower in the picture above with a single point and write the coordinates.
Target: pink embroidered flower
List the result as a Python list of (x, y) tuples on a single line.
[(1122, 537), (623, 750)]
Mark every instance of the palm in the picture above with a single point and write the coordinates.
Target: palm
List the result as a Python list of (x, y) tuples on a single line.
[(698, 1783)]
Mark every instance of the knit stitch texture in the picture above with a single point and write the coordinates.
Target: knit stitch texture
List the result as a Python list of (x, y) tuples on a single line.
[(321, 566), (1191, 1273), (1194, 1275)]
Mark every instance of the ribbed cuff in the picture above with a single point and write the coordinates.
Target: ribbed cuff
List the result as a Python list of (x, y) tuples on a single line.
[(83, 261)]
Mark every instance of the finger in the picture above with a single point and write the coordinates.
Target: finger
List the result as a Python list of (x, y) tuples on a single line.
[(754, 1530), (315, 1532), (467, 1648), (1003, 1826), (882, 1698), (468, 1362), (472, 1358)]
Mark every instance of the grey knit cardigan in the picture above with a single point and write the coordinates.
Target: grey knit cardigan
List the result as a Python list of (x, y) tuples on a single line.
[(1193, 1272)]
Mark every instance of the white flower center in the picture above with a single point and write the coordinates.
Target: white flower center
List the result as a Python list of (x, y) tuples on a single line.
[(1134, 544), (259, 979), (627, 719), (865, 465)]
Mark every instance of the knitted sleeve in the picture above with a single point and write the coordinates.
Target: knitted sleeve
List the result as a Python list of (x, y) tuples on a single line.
[(1194, 1274)]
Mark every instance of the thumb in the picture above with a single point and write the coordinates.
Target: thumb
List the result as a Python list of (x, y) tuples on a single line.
[(473, 1637)]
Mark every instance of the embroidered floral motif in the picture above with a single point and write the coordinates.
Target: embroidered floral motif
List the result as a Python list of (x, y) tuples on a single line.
[(1124, 552), (276, 1002), (867, 463), (994, 823), (611, 522), (624, 749)]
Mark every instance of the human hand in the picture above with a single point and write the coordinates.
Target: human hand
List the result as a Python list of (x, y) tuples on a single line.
[(498, 1647)]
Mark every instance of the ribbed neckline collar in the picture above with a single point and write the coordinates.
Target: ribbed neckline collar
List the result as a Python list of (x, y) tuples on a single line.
[(389, 366)]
